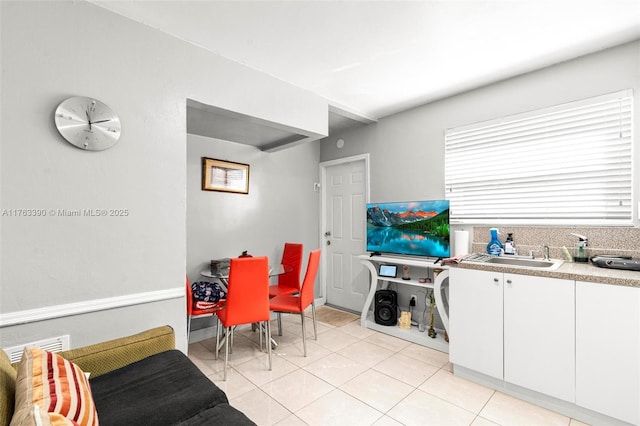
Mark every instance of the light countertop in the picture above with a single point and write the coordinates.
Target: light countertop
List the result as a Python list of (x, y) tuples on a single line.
[(568, 270)]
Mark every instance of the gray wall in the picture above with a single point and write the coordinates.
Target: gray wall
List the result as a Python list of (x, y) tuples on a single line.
[(407, 149), (281, 206), (97, 278)]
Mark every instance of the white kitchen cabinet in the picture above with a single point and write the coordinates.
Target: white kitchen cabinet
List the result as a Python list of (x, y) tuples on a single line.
[(539, 334), (516, 328), (608, 350), (475, 320)]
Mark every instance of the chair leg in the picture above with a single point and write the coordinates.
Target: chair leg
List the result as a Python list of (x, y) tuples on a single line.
[(268, 339), (188, 331), (218, 325), (279, 314), (304, 333), (313, 314), (260, 332), (226, 352)]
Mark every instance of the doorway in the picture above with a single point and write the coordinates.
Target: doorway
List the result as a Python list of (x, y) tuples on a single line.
[(343, 227)]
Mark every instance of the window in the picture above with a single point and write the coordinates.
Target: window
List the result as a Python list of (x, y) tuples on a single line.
[(568, 164)]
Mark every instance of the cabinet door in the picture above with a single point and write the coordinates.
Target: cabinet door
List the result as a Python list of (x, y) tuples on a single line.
[(475, 320), (608, 350), (539, 334)]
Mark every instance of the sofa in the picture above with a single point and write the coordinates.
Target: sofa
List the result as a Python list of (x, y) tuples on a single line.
[(136, 380)]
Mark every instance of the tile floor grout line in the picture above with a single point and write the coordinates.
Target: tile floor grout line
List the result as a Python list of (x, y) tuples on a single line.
[(350, 338), (487, 403)]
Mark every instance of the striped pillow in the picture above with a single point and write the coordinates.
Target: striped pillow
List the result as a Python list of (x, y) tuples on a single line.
[(52, 391)]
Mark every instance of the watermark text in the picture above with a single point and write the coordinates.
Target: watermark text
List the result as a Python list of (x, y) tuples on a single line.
[(84, 212)]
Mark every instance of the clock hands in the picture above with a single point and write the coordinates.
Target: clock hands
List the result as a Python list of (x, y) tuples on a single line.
[(93, 122), (88, 118)]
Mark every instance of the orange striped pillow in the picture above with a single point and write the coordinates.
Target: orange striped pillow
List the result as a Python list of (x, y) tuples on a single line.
[(52, 391)]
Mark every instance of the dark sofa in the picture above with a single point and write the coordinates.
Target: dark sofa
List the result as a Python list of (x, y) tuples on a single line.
[(140, 380)]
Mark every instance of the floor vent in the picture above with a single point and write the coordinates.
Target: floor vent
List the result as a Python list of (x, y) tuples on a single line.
[(55, 344)]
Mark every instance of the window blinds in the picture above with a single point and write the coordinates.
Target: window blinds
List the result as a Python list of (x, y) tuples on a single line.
[(568, 164)]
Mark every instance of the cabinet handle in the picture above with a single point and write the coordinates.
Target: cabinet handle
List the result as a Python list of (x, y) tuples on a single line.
[(495, 280), (508, 281)]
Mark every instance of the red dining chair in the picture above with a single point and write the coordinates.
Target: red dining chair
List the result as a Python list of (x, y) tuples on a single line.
[(289, 282), (298, 303), (247, 301), (193, 311)]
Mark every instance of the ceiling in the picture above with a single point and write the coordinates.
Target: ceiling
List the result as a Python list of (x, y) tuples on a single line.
[(370, 59)]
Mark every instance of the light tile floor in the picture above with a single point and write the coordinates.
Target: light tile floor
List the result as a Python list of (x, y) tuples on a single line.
[(356, 376)]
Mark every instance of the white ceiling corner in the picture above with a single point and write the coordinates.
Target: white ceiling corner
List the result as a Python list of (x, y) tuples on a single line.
[(370, 59)]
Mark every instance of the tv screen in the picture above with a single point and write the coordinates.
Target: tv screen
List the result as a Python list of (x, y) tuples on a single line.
[(415, 228)]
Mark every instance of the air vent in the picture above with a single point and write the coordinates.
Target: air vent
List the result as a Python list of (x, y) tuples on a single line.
[(55, 344)]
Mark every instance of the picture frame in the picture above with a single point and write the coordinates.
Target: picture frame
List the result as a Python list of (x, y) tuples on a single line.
[(224, 176)]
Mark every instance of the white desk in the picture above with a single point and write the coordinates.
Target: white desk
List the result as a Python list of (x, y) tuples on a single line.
[(420, 267)]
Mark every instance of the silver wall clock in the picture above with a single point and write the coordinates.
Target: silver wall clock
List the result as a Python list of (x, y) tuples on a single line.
[(87, 123)]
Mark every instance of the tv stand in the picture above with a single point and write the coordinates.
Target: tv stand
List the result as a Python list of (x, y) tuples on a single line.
[(424, 267)]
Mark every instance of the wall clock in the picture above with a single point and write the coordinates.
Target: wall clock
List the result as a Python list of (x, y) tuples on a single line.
[(87, 123)]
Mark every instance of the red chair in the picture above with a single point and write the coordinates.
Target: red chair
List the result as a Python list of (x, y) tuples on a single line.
[(289, 282), (298, 303), (193, 311), (247, 301)]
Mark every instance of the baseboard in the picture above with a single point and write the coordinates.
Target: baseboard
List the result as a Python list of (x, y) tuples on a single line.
[(210, 332), (202, 334), (559, 406)]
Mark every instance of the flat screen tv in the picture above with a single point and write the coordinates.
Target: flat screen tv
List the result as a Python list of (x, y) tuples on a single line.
[(414, 228)]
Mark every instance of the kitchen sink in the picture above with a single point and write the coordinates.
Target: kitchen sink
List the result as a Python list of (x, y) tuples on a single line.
[(516, 262), (529, 263)]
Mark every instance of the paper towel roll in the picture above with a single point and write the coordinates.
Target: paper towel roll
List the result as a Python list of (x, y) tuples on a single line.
[(460, 243)]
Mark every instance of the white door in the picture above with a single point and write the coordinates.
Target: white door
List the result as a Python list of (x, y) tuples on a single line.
[(344, 233)]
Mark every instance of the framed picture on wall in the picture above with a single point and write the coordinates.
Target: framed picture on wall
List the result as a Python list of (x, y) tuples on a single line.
[(225, 176)]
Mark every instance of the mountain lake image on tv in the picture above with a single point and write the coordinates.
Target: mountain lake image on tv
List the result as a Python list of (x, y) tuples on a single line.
[(417, 228)]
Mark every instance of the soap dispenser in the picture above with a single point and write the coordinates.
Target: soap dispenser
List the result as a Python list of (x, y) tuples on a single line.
[(495, 246), (509, 245), (581, 255)]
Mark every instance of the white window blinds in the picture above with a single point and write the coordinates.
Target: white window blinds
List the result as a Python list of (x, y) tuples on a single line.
[(568, 164)]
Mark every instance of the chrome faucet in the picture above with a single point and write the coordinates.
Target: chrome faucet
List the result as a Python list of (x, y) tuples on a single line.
[(545, 248)]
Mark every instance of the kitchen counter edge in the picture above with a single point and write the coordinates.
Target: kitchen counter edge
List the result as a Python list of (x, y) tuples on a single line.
[(568, 270)]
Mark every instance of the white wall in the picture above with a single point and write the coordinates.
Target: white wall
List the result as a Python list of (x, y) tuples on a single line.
[(53, 50), (407, 149), (281, 205)]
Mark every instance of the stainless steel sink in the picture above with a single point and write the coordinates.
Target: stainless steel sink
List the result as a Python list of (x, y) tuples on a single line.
[(527, 263)]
